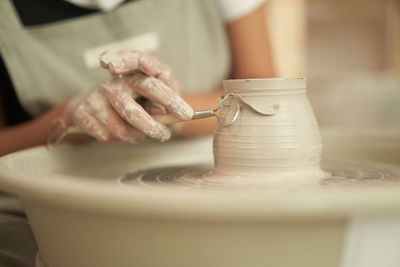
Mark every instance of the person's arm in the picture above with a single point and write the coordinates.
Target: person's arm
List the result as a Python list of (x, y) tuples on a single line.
[(2, 111), (111, 111), (251, 58), (28, 134)]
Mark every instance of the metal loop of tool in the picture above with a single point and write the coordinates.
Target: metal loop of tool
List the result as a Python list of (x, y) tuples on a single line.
[(50, 141), (201, 114)]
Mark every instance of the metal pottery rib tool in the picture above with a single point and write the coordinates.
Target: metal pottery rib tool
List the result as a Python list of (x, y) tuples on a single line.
[(168, 119), (201, 114)]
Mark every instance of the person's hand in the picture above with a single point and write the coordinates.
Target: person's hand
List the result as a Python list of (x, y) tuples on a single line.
[(116, 109), (129, 61)]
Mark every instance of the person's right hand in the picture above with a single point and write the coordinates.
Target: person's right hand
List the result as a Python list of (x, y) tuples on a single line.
[(114, 110)]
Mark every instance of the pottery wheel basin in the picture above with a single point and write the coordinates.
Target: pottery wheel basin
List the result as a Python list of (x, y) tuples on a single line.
[(82, 215)]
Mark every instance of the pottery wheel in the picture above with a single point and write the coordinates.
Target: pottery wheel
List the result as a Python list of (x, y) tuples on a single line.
[(343, 173)]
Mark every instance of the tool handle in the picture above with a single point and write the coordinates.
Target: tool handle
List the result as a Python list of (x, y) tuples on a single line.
[(169, 119), (166, 119)]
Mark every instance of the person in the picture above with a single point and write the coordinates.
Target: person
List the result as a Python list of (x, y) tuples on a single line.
[(166, 56)]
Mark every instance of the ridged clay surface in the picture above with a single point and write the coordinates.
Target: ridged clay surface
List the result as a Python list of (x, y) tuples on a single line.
[(283, 145)]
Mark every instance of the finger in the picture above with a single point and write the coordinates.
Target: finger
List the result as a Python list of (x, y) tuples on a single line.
[(84, 120), (130, 61), (118, 83), (152, 107), (120, 62), (158, 113), (155, 90), (109, 119), (151, 66), (135, 115)]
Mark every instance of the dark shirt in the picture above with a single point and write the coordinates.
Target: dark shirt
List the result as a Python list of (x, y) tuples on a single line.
[(33, 13)]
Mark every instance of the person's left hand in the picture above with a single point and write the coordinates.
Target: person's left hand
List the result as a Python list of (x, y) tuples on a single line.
[(118, 109)]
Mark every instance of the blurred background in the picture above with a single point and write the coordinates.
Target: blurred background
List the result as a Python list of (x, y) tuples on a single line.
[(350, 52)]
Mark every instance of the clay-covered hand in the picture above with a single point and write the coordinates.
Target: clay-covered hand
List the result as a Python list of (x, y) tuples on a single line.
[(117, 108), (130, 61)]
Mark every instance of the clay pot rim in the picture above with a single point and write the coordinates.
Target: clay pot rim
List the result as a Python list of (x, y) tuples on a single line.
[(233, 85)]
